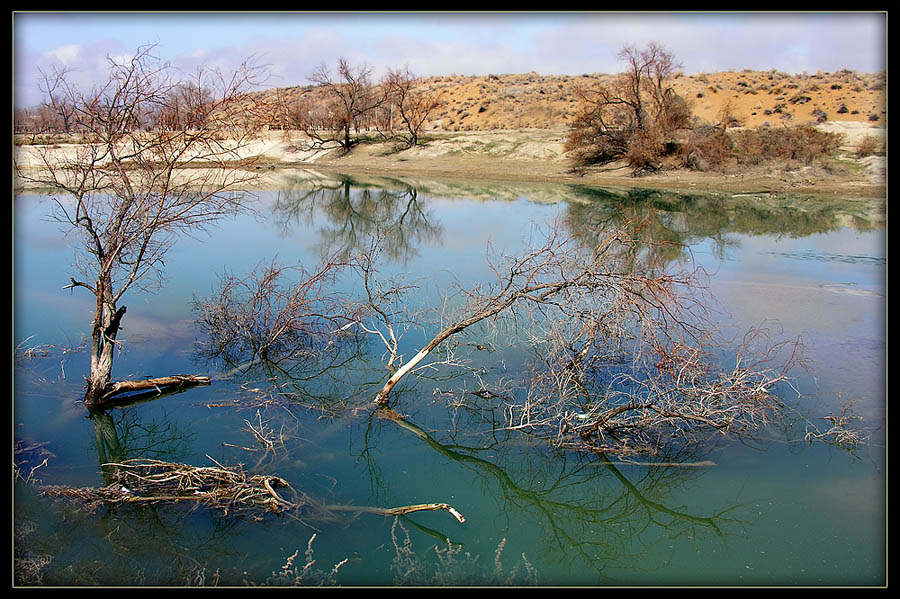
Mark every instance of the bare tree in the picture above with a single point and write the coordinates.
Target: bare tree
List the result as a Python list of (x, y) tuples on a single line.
[(128, 194), (625, 360), (412, 104), (590, 289), (275, 314), (634, 116), (58, 93), (351, 101)]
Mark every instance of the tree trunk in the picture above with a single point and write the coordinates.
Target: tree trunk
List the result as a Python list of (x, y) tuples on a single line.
[(103, 347), (493, 306)]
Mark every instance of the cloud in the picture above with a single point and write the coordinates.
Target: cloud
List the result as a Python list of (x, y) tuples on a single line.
[(65, 54)]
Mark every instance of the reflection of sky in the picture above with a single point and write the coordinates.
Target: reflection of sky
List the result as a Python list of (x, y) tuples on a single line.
[(841, 256), (828, 289), (42, 259)]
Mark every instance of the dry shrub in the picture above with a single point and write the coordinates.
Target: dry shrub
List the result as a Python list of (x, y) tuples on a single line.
[(645, 150), (867, 147), (706, 148), (802, 144)]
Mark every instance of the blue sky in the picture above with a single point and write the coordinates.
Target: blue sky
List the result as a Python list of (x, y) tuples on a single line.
[(293, 44)]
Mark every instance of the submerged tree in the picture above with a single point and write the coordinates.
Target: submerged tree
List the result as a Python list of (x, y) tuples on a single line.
[(615, 347), (128, 192)]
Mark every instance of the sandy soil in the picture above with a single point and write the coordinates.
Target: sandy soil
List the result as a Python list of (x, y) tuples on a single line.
[(536, 155)]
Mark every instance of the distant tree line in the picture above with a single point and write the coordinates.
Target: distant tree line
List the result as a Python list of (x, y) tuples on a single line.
[(351, 107), (187, 104)]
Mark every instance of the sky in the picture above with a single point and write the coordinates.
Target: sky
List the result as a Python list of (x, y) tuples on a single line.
[(291, 45)]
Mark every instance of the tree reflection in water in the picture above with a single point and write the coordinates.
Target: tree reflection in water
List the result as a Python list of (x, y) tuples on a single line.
[(348, 215)]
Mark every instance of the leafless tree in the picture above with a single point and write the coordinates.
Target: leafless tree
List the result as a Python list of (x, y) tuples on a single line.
[(625, 360), (128, 193), (412, 104), (58, 94), (351, 101), (188, 105), (634, 116), (590, 289)]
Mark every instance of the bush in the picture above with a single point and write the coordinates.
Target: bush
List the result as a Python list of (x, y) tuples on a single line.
[(706, 148), (867, 147), (644, 151), (803, 144)]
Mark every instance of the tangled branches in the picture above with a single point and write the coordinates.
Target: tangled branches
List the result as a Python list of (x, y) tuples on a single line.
[(226, 489), (625, 358), (143, 481)]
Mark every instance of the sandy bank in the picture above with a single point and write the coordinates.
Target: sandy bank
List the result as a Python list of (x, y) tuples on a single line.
[(537, 155)]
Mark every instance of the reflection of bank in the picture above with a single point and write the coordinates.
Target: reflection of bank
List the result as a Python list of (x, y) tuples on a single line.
[(674, 221)]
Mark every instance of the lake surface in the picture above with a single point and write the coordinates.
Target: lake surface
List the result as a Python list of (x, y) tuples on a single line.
[(779, 512)]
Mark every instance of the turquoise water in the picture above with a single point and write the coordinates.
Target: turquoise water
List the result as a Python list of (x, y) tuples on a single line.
[(777, 513)]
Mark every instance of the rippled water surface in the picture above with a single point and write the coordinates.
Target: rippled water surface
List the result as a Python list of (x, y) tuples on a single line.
[(780, 512)]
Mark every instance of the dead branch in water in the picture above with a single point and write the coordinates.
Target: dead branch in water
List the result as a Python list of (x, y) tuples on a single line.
[(225, 488), (116, 393)]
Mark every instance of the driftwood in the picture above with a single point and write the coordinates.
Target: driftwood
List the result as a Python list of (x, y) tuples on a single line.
[(113, 392), (398, 511), (220, 487)]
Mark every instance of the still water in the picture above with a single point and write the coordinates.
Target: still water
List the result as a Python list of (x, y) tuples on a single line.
[(781, 512)]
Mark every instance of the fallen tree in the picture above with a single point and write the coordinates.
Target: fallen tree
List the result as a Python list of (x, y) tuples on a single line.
[(624, 358), (224, 488)]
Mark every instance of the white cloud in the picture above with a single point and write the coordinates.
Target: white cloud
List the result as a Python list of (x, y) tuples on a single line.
[(120, 59), (65, 54)]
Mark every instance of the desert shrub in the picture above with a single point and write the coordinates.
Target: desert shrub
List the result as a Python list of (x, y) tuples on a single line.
[(867, 146), (589, 144), (645, 150), (801, 144), (800, 99), (706, 148)]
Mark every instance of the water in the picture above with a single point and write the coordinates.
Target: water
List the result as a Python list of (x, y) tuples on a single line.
[(775, 513)]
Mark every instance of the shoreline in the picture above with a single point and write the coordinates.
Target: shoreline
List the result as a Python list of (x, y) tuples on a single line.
[(537, 156)]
